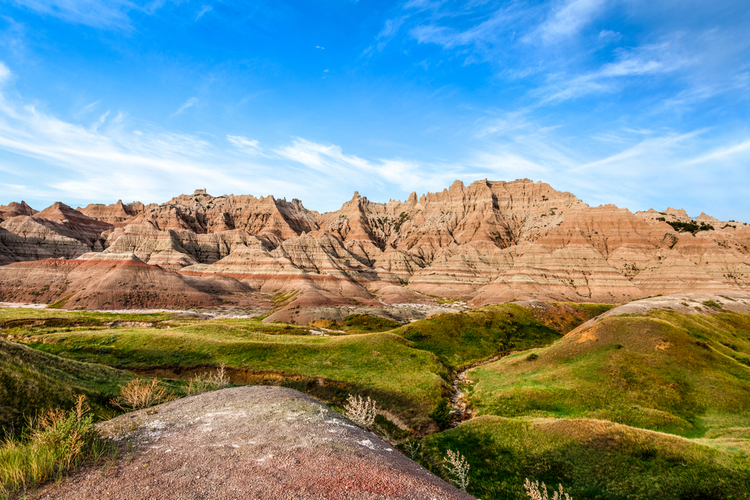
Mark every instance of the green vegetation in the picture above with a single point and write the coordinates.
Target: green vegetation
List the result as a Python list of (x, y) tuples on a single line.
[(593, 459), (442, 414), (368, 323), (590, 410), (460, 339), (57, 443), (690, 227), (387, 367), (33, 381), (667, 371), (566, 316)]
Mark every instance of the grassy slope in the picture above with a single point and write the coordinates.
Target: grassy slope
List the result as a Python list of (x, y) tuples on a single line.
[(460, 339), (31, 381), (592, 459), (665, 371), (404, 379)]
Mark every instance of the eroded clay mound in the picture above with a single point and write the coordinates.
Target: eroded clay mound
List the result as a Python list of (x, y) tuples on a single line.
[(252, 442)]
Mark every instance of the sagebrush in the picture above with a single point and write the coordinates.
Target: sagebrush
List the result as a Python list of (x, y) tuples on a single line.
[(139, 394), (208, 382), (361, 410), (458, 467)]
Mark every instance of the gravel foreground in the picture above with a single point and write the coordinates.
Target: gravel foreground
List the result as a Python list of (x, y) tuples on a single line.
[(251, 442)]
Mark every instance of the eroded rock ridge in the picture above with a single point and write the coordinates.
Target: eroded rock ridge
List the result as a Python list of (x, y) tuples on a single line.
[(483, 243)]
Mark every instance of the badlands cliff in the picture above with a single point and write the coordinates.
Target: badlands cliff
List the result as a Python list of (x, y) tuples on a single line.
[(483, 243)]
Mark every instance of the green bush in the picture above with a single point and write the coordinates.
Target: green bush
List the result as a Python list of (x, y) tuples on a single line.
[(442, 414)]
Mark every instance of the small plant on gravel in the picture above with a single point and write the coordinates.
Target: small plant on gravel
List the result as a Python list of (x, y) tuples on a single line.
[(537, 492), (361, 410), (457, 466), (139, 394), (411, 447), (208, 382)]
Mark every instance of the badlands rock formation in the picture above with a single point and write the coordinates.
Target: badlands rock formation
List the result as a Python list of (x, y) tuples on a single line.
[(251, 442), (484, 243)]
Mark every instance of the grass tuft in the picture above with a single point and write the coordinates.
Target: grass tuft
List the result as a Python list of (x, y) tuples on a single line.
[(58, 443)]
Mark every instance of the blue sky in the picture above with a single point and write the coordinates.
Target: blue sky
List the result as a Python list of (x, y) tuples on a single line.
[(641, 103)]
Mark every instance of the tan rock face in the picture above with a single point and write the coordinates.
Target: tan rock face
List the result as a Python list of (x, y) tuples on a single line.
[(486, 242)]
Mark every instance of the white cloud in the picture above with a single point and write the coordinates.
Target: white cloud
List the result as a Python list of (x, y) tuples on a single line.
[(653, 59), (331, 160), (95, 13), (4, 73), (249, 146), (724, 153), (204, 10), (567, 20), (188, 104)]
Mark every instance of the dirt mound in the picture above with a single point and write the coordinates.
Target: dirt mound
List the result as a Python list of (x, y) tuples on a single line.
[(252, 442), (102, 283)]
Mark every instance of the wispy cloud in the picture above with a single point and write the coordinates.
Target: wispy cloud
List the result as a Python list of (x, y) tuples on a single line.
[(95, 13), (4, 73), (205, 9), (482, 35), (567, 20), (331, 160), (653, 59), (248, 146), (188, 104), (389, 31)]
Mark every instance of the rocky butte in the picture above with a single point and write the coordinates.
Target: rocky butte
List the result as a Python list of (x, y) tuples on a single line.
[(483, 243)]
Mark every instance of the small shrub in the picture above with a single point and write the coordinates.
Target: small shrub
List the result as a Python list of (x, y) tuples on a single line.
[(532, 357), (690, 227), (536, 492), (139, 394), (360, 410), (442, 414), (205, 382), (457, 466), (712, 305), (412, 447)]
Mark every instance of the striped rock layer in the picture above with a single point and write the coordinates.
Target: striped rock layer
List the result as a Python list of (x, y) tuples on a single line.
[(483, 243)]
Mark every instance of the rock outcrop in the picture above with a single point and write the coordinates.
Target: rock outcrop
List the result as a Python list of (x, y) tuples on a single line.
[(252, 442), (483, 243)]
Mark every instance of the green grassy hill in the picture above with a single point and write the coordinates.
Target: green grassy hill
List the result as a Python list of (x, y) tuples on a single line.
[(678, 373), (32, 381), (593, 459), (460, 339)]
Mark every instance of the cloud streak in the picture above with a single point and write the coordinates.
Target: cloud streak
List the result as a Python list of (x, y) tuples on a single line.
[(188, 104)]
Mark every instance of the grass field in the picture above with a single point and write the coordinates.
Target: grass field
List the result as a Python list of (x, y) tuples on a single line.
[(406, 380)]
